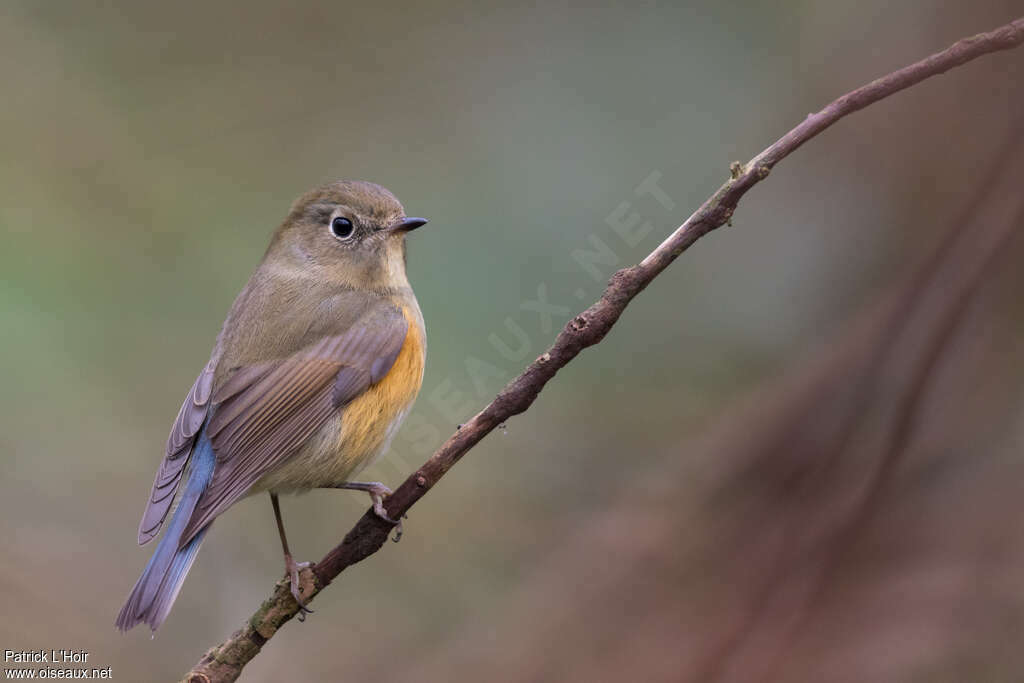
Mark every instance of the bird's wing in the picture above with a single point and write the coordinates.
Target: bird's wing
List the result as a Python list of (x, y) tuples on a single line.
[(179, 446), (263, 413)]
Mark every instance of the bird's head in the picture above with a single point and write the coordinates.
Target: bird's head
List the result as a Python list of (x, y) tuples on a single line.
[(350, 231)]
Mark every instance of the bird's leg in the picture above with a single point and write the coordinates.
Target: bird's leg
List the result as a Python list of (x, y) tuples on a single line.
[(290, 565), (377, 492)]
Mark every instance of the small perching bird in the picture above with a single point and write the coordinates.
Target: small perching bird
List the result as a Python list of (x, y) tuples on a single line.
[(316, 366)]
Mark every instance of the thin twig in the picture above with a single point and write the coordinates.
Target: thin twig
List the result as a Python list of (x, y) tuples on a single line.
[(225, 662)]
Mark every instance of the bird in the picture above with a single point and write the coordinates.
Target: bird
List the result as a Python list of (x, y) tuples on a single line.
[(317, 364)]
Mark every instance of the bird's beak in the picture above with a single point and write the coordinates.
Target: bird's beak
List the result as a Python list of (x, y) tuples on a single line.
[(408, 224)]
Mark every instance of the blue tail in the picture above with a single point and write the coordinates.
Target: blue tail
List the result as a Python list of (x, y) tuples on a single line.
[(156, 589)]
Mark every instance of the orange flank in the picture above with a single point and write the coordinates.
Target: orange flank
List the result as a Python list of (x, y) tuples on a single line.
[(370, 417)]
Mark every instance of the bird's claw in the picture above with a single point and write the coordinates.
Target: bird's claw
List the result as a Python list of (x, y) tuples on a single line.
[(398, 530), (378, 492), (377, 496), (293, 567)]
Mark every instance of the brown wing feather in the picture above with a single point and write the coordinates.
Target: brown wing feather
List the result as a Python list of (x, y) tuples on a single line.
[(257, 427), (179, 447)]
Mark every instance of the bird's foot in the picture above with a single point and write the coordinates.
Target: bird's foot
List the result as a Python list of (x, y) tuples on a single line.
[(292, 568), (378, 492)]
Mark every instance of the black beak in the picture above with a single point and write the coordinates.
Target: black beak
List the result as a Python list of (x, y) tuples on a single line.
[(408, 224)]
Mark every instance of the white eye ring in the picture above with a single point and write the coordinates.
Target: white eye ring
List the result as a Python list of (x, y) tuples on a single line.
[(342, 228)]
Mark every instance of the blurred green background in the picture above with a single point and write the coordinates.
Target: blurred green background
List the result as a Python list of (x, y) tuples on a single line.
[(149, 149)]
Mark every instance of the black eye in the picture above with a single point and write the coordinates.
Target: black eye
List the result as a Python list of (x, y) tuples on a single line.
[(341, 227)]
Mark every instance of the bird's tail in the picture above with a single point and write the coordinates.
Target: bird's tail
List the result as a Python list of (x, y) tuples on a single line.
[(155, 591)]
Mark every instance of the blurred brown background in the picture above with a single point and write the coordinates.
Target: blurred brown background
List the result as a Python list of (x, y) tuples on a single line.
[(790, 461)]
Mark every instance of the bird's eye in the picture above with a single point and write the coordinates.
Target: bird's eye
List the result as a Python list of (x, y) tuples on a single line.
[(342, 227)]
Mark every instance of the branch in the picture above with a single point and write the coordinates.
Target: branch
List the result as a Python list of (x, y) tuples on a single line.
[(225, 662)]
